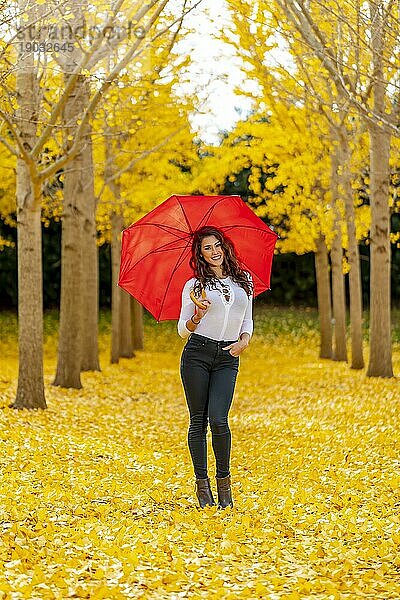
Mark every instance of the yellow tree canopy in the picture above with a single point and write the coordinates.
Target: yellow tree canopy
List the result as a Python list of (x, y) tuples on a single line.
[(147, 133)]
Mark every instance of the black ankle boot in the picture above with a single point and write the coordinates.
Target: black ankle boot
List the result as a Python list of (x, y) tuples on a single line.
[(203, 493), (224, 492)]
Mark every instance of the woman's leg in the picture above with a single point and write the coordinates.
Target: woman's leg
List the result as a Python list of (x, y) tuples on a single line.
[(221, 389), (195, 375)]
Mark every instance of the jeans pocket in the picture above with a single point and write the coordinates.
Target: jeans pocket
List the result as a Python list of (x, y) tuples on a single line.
[(235, 361), (196, 344)]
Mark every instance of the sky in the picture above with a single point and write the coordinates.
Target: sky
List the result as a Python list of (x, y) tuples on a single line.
[(215, 70)]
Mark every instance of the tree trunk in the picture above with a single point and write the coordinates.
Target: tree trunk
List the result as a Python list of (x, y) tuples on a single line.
[(125, 326), (90, 268), (357, 360), (137, 324), (30, 390), (338, 292), (324, 298), (116, 228), (380, 356), (69, 343)]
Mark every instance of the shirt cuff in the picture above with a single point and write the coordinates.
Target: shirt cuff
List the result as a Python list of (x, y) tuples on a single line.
[(247, 327), (244, 331), (183, 331)]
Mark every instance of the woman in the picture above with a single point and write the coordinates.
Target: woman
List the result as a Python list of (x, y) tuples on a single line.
[(218, 333)]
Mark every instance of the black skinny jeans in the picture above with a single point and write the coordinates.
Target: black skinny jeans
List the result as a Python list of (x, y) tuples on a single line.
[(208, 375)]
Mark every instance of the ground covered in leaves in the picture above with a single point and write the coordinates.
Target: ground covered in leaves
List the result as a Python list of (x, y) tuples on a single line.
[(97, 493)]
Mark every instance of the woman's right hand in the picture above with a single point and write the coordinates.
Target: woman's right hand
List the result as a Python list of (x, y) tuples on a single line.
[(200, 312)]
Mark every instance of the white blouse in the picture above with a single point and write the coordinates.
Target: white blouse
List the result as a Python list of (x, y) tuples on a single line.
[(228, 316)]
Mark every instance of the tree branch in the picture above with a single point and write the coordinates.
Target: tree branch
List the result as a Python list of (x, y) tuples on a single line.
[(75, 148), (71, 83), (135, 160), (343, 84), (8, 146), (25, 155)]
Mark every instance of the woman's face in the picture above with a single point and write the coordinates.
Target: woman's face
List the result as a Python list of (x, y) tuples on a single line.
[(212, 251)]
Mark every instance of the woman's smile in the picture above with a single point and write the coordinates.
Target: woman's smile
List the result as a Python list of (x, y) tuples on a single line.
[(212, 250)]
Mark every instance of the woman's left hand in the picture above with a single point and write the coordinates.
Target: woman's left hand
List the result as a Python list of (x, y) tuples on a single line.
[(237, 347)]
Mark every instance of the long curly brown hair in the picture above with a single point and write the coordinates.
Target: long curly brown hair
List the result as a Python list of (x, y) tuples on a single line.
[(230, 266)]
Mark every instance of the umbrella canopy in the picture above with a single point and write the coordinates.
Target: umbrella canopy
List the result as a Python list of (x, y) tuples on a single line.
[(155, 250)]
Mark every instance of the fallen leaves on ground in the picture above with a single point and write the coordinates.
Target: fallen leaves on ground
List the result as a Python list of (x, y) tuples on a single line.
[(98, 498)]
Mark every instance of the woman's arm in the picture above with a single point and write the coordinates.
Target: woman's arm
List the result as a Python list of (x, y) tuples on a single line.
[(246, 329), (184, 327), (190, 316)]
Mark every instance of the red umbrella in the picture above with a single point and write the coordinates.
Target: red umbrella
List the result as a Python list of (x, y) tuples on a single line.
[(156, 249)]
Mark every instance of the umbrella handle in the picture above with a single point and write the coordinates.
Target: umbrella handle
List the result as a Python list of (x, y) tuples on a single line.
[(196, 301)]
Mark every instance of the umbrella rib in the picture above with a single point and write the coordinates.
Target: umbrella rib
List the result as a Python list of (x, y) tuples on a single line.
[(184, 214), (206, 214), (228, 227), (166, 228), (163, 248)]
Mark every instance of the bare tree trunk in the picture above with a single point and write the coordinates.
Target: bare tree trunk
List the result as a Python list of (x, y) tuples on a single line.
[(125, 326), (338, 291), (324, 298), (137, 324), (116, 228), (30, 390), (357, 360), (380, 356), (90, 269), (118, 309), (338, 296), (69, 343)]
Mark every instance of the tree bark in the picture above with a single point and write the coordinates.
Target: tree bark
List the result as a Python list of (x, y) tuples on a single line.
[(90, 268), (116, 228), (70, 328), (338, 291), (324, 298), (137, 324), (357, 360), (380, 356), (30, 390), (119, 335), (125, 326)]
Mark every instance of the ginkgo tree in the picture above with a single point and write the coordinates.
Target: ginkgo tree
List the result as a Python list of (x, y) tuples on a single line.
[(29, 121), (357, 46), (281, 91), (138, 166), (286, 185), (290, 184), (259, 29), (78, 324)]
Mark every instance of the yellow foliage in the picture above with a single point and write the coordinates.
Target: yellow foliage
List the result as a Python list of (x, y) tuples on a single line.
[(7, 182), (97, 492), (143, 145)]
